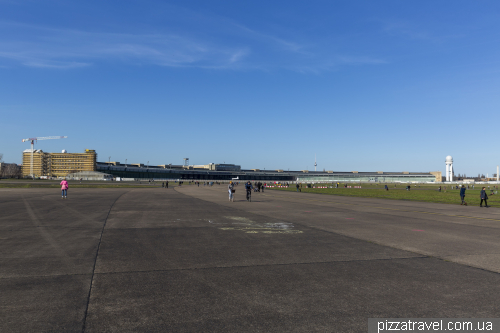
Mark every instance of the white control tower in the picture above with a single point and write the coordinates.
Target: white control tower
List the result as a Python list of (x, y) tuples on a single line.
[(449, 168)]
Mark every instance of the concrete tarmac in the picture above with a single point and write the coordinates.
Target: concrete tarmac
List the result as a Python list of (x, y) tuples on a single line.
[(188, 260)]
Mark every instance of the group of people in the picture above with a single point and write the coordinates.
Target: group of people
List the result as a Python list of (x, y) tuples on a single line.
[(248, 188), (259, 186), (483, 195)]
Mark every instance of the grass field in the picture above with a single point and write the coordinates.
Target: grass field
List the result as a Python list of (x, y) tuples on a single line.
[(425, 193)]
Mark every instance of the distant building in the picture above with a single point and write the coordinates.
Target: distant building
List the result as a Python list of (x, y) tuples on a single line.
[(58, 164), (212, 171), (73, 164), (368, 177), (218, 167), (89, 175), (489, 179), (230, 171)]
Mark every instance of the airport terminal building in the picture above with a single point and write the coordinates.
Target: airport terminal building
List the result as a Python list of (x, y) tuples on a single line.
[(222, 172), (85, 165)]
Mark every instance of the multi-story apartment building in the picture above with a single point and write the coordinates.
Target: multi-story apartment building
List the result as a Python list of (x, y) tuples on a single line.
[(57, 164)]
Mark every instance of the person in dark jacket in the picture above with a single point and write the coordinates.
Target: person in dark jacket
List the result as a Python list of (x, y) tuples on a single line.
[(484, 197), (462, 195), (248, 188)]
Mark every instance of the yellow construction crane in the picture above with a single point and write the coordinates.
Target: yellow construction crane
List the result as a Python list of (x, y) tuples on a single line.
[(32, 147)]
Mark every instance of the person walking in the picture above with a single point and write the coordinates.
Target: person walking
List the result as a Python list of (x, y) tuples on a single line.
[(386, 188), (484, 196), (64, 188), (166, 184), (297, 186), (462, 195), (231, 191)]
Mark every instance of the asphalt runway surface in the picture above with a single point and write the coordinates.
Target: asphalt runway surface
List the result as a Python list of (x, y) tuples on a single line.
[(188, 260)]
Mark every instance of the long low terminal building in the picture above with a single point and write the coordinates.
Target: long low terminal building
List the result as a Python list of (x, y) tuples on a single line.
[(230, 171)]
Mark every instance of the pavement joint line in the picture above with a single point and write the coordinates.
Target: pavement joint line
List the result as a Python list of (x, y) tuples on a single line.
[(432, 213), (420, 256), (50, 226), (45, 235), (20, 276), (404, 210), (95, 260)]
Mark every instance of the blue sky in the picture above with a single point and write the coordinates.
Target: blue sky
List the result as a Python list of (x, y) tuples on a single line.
[(364, 85)]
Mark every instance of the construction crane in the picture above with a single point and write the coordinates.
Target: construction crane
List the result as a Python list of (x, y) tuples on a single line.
[(32, 147)]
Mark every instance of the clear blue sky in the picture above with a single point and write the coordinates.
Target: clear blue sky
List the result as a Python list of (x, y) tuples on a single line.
[(365, 85)]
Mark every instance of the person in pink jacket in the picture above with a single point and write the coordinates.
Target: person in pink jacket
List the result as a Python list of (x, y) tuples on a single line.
[(64, 188)]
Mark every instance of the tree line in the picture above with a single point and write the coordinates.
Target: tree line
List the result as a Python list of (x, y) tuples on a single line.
[(9, 170)]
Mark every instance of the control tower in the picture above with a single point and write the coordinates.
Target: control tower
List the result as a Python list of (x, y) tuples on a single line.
[(449, 168)]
